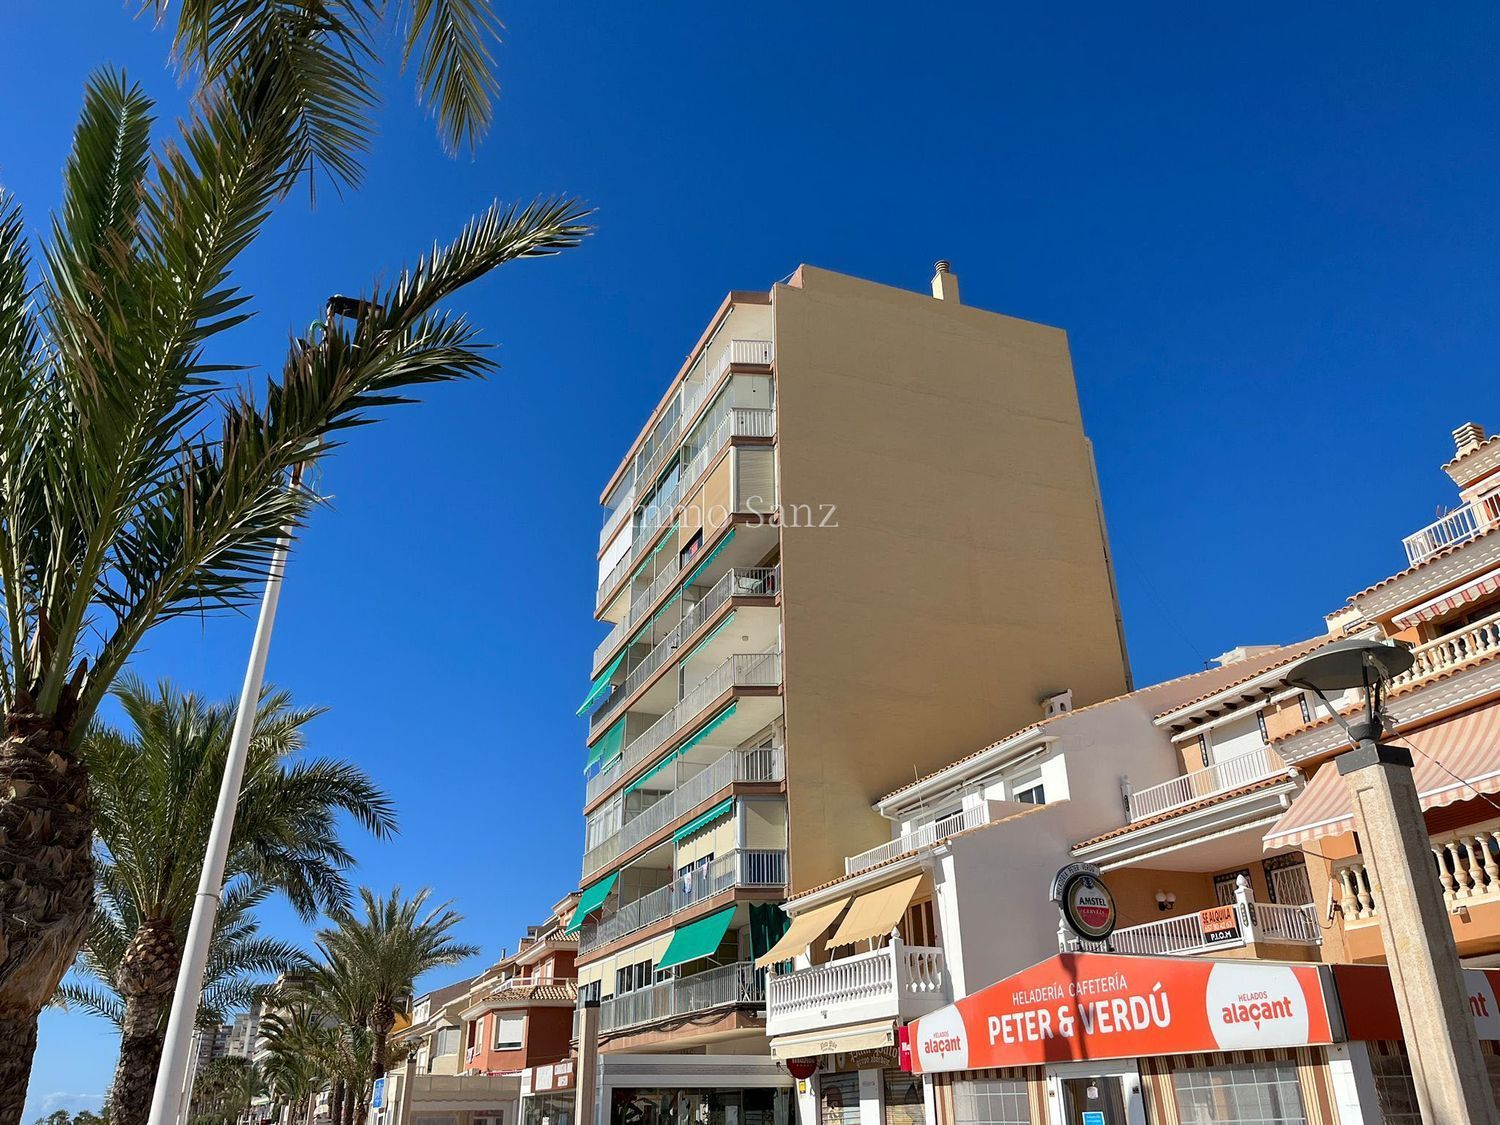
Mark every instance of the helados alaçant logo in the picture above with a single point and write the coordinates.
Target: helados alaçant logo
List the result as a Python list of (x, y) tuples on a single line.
[(1255, 1006), (942, 1041)]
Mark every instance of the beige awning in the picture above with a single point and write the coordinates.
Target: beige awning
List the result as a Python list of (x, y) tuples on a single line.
[(835, 1040), (803, 931), (875, 913), (1457, 759)]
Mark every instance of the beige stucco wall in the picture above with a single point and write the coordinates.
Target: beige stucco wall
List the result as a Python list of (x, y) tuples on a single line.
[(967, 576)]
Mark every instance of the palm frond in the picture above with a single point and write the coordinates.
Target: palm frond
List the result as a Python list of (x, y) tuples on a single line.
[(450, 39), (100, 1002)]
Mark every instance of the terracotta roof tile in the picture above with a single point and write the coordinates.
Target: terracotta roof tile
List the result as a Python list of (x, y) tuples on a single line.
[(1466, 454), (1434, 557), (1267, 662)]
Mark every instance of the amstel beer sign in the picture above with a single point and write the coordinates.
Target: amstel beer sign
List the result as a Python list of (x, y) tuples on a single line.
[(1087, 906)]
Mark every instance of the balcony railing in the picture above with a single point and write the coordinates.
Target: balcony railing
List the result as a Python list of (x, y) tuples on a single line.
[(1458, 526), (744, 868), (1186, 933), (1464, 862), (688, 791), (1472, 642), (1231, 773), (898, 982), (738, 984), (761, 669), (920, 837)]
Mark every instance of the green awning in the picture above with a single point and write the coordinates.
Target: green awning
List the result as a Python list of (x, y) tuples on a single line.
[(598, 687), (716, 631), (698, 823), (711, 556), (608, 748), (593, 898), (697, 939), (703, 732)]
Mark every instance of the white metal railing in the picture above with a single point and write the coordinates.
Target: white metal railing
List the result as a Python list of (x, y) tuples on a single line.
[(922, 836), (1458, 526), (756, 422), (1479, 639), (1231, 773), (606, 646), (878, 975), (740, 868), (687, 791), (1185, 933), (762, 669), (740, 983), (1465, 863)]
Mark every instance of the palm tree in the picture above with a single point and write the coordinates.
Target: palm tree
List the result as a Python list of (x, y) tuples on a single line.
[(138, 483), (155, 790), (224, 1090), (299, 1049), (395, 942)]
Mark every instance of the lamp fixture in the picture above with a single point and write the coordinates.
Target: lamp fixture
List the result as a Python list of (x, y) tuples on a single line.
[(1166, 900), (1358, 664)]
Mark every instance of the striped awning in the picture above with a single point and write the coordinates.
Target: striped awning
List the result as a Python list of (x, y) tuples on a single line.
[(1466, 745), (1471, 591)]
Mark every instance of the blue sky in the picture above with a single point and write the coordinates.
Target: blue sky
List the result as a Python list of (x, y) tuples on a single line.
[(1271, 233)]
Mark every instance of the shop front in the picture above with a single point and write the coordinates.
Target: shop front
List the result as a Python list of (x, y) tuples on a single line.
[(693, 1090), (1101, 1039)]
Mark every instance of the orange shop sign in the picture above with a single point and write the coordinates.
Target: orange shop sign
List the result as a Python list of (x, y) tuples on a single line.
[(1079, 1006)]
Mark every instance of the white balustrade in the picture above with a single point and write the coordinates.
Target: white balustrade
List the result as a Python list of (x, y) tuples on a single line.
[(1231, 773), (1466, 864), (1184, 933), (1476, 641), (1458, 526), (898, 980)]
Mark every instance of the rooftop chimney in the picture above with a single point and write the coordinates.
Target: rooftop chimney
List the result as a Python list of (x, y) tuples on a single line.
[(945, 282), (1059, 704), (1466, 437)]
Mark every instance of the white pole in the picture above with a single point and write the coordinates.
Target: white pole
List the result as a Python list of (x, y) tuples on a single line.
[(166, 1099)]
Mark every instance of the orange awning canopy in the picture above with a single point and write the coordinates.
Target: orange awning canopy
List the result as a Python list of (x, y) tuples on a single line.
[(1454, 760)]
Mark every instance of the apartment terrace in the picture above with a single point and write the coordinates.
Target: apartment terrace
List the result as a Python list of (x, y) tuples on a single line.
[(1459, 526), (921, 836), (1202, 784), (741, 585), (760, 670), (1207, 931), (1464, 863), (740, 984), (742, 869), (899, 982), (689, 791)]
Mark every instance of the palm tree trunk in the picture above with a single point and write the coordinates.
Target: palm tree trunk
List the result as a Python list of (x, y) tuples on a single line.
[(146, 979), (336, 1103), (46, 885), (382, 1019)]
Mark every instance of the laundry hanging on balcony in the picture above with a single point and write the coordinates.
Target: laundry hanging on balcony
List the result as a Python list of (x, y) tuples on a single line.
[(1467, 746)]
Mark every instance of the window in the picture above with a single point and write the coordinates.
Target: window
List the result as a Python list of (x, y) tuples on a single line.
[(510, 1029), (1029, 792), (473, 1033), (1252, 1094), (903, 1098), (838, 1099), (1224, 885), (694, 545), (594, 990), (1287, 881), (991, 1101), (1394, 1089), (447, 1041), (632, 977)]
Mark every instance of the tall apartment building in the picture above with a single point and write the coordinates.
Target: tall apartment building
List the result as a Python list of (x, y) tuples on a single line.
[(244, 1033), (858, 534)]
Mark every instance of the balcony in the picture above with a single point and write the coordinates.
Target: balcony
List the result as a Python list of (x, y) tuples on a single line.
[(766, 764), (759, 669), (1458, 526), (1472, 642), (1464, 863), (754, 581), (922, 836), (732, 985), (1221, 777), (747, 869), (1201, 932), (899, 982)]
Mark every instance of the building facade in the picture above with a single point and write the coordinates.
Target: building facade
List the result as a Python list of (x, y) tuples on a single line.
[(1212, 808), (860, 532)]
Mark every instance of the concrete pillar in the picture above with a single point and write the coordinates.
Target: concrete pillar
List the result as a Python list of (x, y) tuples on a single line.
[(1447, 1067), (586, 1090), (871, 1103)]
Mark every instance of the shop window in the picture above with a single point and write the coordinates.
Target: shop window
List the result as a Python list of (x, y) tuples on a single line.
[(838, 1099), (991, 1101), (903, 1098), (1251, 1094), (1394, 1089)]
